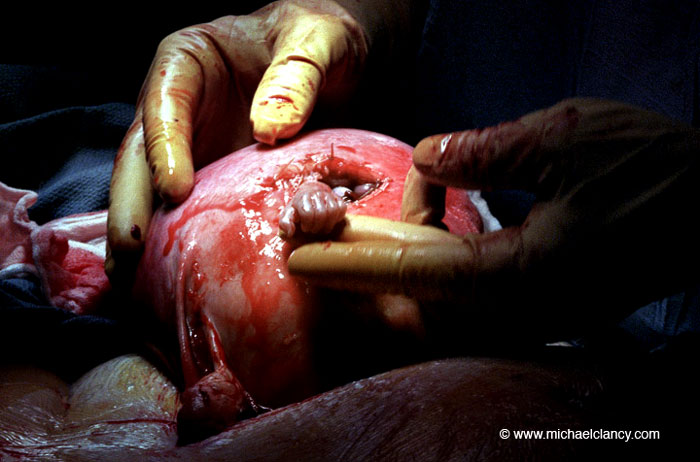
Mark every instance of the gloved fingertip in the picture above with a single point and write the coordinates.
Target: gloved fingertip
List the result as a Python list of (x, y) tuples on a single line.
[(284, 100), (122, 257), (268, 130), (174, 185), (268, 137), (177, 190), (429, 151), (124, 240), (277, 117), (109, 265)]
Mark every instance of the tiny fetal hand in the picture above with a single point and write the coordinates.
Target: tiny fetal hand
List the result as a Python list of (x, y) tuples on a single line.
[(216, 87), (315, 208), (610, 229)]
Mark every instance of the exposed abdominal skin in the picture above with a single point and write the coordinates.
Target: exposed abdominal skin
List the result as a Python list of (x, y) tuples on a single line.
[(214, 268)]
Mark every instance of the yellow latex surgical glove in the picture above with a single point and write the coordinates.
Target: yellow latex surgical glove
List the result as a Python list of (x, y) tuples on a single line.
[(613, 226), (216, 87)]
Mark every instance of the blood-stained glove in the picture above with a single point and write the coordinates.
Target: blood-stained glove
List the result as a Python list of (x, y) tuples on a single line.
[(613, 227), (213, 88)]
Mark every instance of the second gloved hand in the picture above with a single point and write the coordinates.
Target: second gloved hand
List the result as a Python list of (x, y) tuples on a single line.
[(613, 226)]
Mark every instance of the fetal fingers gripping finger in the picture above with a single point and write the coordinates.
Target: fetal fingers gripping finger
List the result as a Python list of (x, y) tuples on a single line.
[(304, 206), (330, 212), (316, 209), (320, 213), (325, 214), (338, 212), (333, 211), (332, 208)]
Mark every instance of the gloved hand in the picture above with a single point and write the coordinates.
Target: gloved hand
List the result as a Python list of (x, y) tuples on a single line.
[(613, 226), (212, 88)]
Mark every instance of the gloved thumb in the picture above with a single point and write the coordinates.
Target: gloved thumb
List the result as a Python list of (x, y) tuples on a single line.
[(511, 155), (312, 54)]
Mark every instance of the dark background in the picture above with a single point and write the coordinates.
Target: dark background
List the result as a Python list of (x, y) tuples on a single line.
[(107, 47)]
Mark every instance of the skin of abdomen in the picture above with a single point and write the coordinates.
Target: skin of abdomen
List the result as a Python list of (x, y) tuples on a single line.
[(218, 258)]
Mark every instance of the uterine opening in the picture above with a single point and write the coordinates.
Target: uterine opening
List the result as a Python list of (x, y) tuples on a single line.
[(349, 179), (350, 189)]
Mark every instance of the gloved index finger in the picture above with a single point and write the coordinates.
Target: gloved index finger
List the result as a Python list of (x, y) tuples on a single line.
[(380, 255), (171, 97), (358, 228), (476, 267), (511, 155)]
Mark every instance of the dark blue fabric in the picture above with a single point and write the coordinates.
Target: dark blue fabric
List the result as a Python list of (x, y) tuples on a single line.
[(33, 332), (482, 63), (60, 148), (58, 136)]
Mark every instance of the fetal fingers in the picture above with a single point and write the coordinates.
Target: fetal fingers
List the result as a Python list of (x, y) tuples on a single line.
[(315, 208)]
